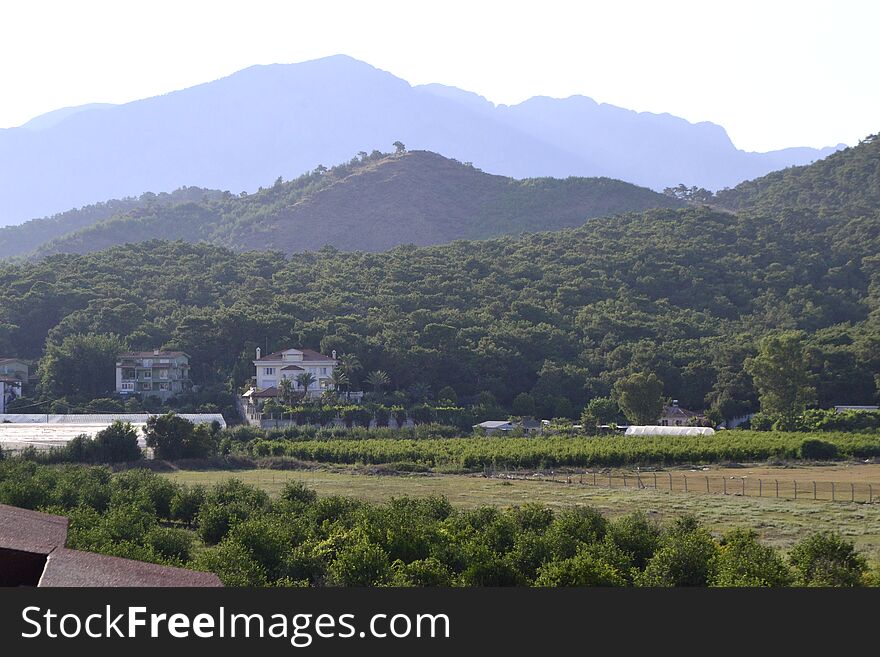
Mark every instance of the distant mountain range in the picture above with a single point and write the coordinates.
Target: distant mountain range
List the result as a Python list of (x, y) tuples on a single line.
[(372, 203), (236, 133)]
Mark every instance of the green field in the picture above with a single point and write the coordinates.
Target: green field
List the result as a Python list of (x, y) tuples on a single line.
[(477, 453), (780, 522)]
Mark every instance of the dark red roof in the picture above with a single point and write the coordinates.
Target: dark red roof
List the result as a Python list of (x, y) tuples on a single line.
[(74, 568), (31, 531), (24, 532), (265, 392)]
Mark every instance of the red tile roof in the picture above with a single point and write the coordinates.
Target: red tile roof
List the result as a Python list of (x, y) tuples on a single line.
[(74, 568), (35, 533)]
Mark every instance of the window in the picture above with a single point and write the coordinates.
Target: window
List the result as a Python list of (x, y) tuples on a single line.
[(148, 362), (163, 374), (163, 386), (270, 371), (128, 386), (323, 370), (148, 374)]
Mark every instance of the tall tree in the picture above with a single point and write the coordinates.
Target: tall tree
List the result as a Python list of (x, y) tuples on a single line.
[(305, 380), (81, 366), (640, 397), (378, 379), (781, 375)]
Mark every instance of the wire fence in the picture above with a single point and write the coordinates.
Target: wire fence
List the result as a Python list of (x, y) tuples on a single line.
[(694, 482)]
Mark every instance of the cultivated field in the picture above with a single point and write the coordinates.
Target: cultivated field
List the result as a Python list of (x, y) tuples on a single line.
[(780, 522)]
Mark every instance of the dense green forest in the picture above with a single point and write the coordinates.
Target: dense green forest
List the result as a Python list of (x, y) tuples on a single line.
[(371, 203), (683, 293), (23, 239), (847, 178), (301, 539)]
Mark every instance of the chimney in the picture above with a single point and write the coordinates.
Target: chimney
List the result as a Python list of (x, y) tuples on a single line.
[(675, 402), (258, 353), (155, 352), (334, 354)]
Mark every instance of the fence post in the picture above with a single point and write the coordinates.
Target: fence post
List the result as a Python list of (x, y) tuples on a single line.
[(795, 490), (624, 480), (724, 484), (852, 492), (638, 479), (870, 494), (655, 481), (609, 479), (594, 477), (744, 486), (707, 484), (670, 480), (832, 492), (777, 487), (685, 483), (814, 490), (760, 488)]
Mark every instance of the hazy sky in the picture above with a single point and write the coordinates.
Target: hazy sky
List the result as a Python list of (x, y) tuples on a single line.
[(775, 73)]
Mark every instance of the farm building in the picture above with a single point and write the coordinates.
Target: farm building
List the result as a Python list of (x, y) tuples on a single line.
[(21, 430), (654, 430)]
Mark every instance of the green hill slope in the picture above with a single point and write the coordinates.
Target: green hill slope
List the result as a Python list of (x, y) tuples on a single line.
[(25, 238), (850, 177), (373, 204)]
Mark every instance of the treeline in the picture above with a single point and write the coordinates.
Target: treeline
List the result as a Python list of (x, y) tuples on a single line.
[(300, 539)]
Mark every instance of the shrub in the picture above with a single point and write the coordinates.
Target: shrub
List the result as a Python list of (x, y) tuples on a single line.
[(635, 536), (573, 528), (172, 544), (422, 572), (186, 503), (827, 559), (233, 565), (360, 564), (743, 561), (818, 450), (685, 558), (297, 491), (584, 569), (422, 414)]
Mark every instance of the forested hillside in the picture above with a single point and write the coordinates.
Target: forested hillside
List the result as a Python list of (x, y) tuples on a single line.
[(850, 177), (24, 238), (683, 293), (372, 203)]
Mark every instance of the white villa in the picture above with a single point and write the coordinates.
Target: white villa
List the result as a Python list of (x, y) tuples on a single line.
[(289, 364)]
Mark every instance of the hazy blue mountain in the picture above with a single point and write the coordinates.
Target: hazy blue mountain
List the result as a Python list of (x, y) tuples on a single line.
[(238, 132)]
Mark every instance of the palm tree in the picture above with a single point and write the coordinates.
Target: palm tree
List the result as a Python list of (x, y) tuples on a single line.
[(285, 390), (350, 365), (338, 379), (305, 380), (378, 379)]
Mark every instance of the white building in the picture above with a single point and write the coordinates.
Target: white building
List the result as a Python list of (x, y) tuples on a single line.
[(289, 364), (156, 373)]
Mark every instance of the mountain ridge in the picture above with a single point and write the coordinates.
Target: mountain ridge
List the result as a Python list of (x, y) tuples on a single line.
[(237, 132)]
